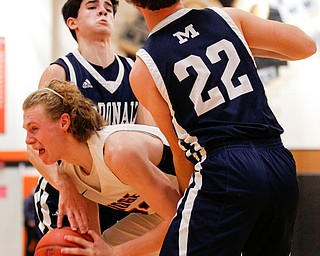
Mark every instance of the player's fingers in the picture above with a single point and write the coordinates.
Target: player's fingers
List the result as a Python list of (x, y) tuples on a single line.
[(82, 222), (60, 218), (75, 251), (85, 219), (72, 221), (77, 240)]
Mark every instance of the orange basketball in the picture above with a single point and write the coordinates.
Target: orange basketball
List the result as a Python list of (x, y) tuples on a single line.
[(52, 242)]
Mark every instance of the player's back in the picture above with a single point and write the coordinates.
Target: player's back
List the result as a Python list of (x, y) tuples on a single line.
[(208, 78)]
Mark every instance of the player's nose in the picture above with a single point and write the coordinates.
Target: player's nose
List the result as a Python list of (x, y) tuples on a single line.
[(30, 139)]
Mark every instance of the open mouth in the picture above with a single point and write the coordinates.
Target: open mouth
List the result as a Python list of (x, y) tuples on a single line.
[(41, 151)]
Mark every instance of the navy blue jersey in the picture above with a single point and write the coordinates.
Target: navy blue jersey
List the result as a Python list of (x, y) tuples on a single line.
[(214, 95), (108, 87)]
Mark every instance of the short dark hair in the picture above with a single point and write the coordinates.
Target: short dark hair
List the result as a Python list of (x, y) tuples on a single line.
[(71, 9), (153, 5)]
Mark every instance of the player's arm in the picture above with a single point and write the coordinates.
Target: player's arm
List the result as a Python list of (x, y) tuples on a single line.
[(71, 203), (53, 71), (272, 39), (144, 116), (141, 81), (132, 157), (44, 170)]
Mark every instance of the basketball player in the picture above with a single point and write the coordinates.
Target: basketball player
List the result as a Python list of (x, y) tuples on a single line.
[(243, 194), (62, 124), (101, 76)]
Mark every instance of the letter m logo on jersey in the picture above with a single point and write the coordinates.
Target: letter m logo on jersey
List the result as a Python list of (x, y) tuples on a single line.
[(184, 36)]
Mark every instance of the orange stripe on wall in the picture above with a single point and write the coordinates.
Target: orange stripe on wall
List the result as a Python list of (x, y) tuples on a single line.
[(13, 156), (2, 84), (308, 161)]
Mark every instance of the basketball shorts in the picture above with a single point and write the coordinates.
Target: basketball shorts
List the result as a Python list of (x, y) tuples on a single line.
[(243, 200)]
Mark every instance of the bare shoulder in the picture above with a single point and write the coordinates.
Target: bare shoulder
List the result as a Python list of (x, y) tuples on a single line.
[(232, 12), (140, 70), (51, 72), (128, 138)]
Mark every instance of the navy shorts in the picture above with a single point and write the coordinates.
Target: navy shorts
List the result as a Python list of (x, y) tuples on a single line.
[(243, 200)]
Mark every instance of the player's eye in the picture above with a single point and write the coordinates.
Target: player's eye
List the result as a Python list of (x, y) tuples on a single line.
[(91, 6), (34, 129)]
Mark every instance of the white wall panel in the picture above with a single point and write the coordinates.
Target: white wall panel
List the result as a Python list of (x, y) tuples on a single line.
[(26, 26), (11, 212)]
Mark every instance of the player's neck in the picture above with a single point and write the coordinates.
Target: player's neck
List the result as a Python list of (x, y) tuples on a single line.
[(79, 155), (98, 52), (154, 17)]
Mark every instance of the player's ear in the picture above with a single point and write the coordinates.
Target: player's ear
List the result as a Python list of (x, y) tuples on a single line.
[(71, 23), (65, 121)]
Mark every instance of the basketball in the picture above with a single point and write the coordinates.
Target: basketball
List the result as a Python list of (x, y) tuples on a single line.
[(52, 242)]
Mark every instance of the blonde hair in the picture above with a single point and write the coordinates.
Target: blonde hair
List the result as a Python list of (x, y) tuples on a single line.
[(59, 97)]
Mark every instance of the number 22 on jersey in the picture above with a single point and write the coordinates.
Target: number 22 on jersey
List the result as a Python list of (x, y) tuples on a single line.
[(216, 97)]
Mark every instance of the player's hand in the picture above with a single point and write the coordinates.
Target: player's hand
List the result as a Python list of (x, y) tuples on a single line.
[(97, 248), (72, 204)]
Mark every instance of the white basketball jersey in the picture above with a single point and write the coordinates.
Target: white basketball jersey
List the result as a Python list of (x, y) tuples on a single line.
[(101, 185)]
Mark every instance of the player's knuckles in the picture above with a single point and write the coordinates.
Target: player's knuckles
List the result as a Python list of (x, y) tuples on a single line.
[(71, 214)]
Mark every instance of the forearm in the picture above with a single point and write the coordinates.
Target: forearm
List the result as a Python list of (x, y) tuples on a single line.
[(270, 55), (183, 168), (92, 211), (144, 245), (273, 39), (144, 116), (49, 172)]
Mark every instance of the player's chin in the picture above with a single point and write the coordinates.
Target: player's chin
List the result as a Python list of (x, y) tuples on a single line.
[(45, 158), (47, 161)]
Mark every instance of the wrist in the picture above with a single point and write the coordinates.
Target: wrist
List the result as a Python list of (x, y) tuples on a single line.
[(62, 181)]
